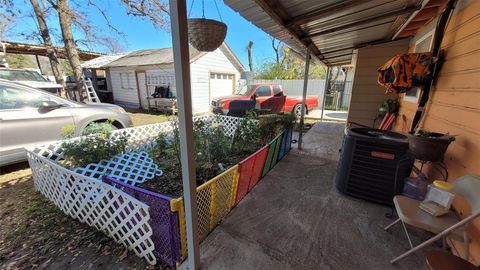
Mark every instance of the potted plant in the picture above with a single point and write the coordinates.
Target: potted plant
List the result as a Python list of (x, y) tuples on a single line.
[(429, 146)]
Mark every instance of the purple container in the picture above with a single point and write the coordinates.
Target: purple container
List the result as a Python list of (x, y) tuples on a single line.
[(416, 187), (164, 222)]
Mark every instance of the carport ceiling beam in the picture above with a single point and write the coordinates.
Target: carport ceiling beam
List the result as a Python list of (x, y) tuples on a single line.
[(280, 16), (338, 50), (337, 56), (341, 63), (365, 21), (361, 45), (320, 13)]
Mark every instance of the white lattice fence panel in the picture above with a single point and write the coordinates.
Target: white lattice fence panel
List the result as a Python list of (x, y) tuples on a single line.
[(131, 168), (117, 214), (142, 138), (230, 124), (51, 151)]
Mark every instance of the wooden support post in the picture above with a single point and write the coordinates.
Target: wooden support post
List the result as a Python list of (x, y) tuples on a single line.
[(178, 18), (38, 64), (94, 78), (304, 97)]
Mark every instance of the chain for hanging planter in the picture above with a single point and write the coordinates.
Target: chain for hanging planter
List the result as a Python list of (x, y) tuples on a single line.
[(206, 35)]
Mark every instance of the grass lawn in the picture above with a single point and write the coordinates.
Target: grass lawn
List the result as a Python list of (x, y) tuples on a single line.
[(143, 118)]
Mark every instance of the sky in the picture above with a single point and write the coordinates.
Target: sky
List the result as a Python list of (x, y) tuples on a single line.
[(141, 34)]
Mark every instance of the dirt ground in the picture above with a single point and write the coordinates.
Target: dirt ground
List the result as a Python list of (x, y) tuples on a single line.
[(34, 234)]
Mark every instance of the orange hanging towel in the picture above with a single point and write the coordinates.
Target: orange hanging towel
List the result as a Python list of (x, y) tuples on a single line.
[(404, 71)]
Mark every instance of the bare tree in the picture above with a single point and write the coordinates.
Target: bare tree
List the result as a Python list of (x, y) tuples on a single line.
[(249, 50), (112, 45), (65, 21), (7, 17), (40, 13), (277, 47)]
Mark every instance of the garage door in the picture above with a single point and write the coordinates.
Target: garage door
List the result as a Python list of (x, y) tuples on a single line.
[(221, 84)]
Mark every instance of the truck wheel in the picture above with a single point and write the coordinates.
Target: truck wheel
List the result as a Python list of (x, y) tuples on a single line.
[(297, 111)]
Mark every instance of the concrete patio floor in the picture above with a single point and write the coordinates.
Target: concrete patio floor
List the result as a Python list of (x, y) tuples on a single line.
[(295, 219), (329, 115)]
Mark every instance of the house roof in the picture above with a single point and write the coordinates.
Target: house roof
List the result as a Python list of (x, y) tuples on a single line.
[(331, 28), (101, 61), (164, 56)]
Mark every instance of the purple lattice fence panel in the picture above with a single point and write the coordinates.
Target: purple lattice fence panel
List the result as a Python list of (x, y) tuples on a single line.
[(163, 221)]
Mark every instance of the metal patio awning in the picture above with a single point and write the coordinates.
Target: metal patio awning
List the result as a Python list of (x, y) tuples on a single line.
[(35, 49), (331, 28)]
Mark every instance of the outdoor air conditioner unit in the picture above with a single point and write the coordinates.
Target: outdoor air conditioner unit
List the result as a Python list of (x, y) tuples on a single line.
[(371, 160)]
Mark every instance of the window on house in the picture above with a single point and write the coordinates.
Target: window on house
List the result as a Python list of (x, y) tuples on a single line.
[(263, 91), (125, 80), (424, 44)]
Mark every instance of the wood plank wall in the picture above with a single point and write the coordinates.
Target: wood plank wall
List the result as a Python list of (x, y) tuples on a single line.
[(454, 104), (367, 94)]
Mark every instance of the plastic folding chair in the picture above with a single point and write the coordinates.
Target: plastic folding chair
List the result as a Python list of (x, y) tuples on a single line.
[(409, 212)]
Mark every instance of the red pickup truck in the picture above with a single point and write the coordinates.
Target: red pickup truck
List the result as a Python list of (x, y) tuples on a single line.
[(264, 98)]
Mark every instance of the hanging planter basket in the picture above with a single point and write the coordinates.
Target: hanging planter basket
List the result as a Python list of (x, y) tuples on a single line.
[(206, 35)]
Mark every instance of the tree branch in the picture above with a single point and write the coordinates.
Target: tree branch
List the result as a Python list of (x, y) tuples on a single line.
[(107, 20), (149, 9)]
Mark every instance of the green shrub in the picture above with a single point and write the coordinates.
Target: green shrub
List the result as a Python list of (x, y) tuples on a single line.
[(212, 146), (246, 138), (214, 150), (95, 144), (271, 125)]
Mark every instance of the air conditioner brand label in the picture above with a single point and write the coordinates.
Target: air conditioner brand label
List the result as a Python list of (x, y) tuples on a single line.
[(382, 155)]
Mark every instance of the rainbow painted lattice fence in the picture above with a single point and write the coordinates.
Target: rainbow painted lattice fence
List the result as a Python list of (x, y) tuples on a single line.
[(150, 224)]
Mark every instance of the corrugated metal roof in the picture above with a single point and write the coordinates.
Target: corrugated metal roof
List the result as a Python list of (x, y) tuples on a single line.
[(101, 61), (163, 56), (331, 28), (40, 49)]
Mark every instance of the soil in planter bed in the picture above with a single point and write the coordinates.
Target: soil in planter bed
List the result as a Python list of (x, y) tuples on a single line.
[(170, 183)]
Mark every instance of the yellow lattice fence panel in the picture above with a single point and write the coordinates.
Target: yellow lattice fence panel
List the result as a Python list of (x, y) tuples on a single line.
[(215, 199)]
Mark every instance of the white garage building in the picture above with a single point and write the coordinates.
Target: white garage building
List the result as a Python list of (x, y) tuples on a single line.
[(134, 77)]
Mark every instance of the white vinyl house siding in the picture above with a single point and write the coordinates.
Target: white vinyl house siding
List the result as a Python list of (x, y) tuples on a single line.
[(161, 77), (124, 81), (215, 61), (124, 86)]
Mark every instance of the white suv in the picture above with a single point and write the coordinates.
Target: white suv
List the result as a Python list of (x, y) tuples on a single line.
[(30, 116), (30, 78)]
